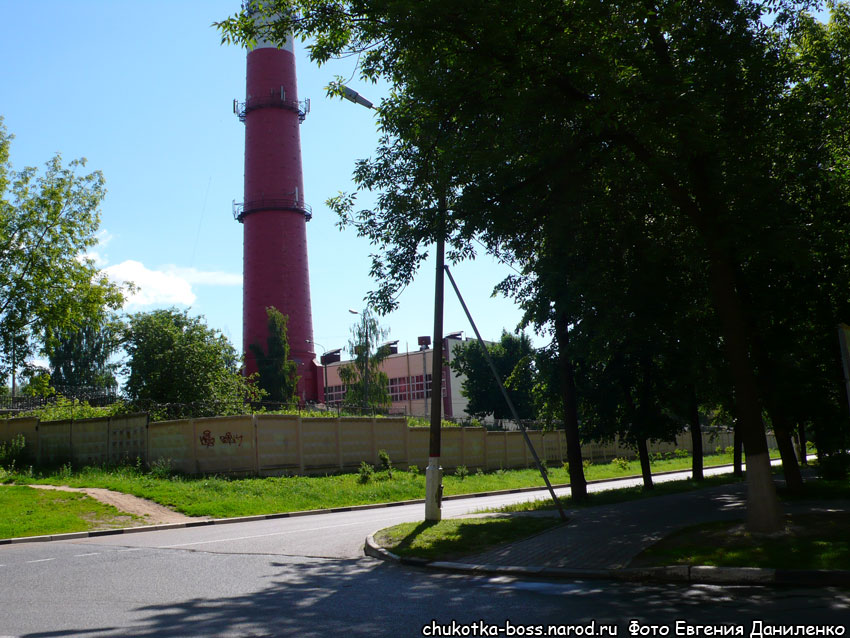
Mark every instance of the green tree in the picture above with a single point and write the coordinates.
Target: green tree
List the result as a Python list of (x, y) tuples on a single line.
[(48, 221), (602, 117), (173, 358), (367, 387), (81, 357), (277, 373), (513, 357)]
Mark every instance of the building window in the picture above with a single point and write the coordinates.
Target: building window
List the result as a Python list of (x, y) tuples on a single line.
[(398, 389), (334, 394)]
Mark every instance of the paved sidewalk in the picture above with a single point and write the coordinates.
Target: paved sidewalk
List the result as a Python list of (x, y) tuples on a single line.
[(609, 537), (600, 542)]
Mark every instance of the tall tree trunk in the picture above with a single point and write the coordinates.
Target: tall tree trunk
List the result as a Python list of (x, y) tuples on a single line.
[(790, 467), (696, 436), (763, 511), (737, 449), (781, 426), (578, 484), (801, 443), (645, 470)]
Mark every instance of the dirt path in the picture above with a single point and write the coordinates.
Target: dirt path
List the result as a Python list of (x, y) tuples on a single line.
[(152, 513)]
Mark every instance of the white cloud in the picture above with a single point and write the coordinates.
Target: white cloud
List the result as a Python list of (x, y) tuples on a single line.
[(153, 287), (167, 285), (205, 277)]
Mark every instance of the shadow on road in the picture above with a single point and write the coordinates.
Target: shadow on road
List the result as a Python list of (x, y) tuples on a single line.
[(317, 598)]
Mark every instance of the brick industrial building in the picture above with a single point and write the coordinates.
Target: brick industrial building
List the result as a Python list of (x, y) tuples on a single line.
[(409, 374)]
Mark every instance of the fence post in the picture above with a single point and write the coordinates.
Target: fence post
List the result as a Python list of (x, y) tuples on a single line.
[(197, 463), (256, 444), (339, 442), (299, 429)]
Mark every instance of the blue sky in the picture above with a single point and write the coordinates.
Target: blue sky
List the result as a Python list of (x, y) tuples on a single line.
[(144, 91)]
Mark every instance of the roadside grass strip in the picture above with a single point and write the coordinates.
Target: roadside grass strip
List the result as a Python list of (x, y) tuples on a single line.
[(31, 512), (819, 540), (223, 497), (457, 537)]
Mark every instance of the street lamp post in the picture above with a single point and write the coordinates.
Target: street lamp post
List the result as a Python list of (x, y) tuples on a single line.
[(433, 473), (325, 367)]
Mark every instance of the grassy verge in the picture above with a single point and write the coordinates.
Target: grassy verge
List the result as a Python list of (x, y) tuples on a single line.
[(452, 538), (30, 512), (812, 541), (623, 494), (222, 497)]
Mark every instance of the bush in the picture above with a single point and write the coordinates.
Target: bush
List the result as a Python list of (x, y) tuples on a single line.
[(162, 468), (386, 463), (413, 469), (12, 452), (620, 462), (461, 471), (63, 409), (681, 453), (365, 472)]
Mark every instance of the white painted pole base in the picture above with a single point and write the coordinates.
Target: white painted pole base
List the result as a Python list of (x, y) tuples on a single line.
[(433, 489)]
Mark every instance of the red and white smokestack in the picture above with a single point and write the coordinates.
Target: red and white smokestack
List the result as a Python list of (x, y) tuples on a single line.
[(274, 214)]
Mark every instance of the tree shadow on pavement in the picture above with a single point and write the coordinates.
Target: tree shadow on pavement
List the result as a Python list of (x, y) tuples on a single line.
[(363, 597)]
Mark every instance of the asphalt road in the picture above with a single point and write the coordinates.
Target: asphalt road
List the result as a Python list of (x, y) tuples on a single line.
[(307, 576)]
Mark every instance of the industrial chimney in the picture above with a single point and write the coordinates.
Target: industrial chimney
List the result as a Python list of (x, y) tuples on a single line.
[(274, 214)]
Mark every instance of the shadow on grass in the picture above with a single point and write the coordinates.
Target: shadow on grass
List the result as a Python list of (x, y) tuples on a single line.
[(817, 540), (453, 538)]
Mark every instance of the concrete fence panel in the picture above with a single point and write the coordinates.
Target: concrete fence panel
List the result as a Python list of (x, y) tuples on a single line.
[(225, 444), (554, 447), (495, 448), (356, 440), (28, 426), (536, 438), (451, 451), (320, 444), (173, 440), (54, 442), (128, 438), (390, 435), (515, 450), (90, 440), (277, 443), (418, 442), (473, 447)]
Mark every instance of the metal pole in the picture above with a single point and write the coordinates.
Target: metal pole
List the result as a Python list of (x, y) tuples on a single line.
[(434, 473), (507, 398)]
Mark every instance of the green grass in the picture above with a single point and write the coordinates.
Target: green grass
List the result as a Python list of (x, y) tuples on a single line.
[(32, 512), (811, 541), (623, 494), (452, 538), (222, 497)]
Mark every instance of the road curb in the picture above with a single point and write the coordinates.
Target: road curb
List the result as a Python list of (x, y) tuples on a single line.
[(693, 575), (260, 517)]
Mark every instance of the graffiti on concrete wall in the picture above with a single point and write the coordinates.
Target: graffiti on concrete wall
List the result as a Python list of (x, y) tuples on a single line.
[(228, 438)]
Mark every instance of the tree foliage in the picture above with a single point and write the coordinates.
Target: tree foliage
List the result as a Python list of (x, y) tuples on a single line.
[(48, 221), (513, 357), (649, 166), (177, 359), (277, 373), (82, 356), (367, 386)]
